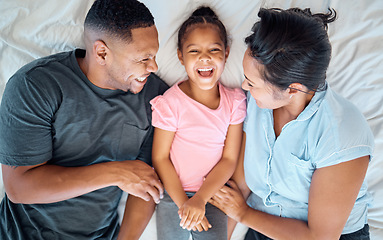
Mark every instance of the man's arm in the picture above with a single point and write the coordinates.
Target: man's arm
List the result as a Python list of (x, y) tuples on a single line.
[(136, 217), (46, 183)]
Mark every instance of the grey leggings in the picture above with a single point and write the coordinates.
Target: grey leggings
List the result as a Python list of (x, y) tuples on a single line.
[(168, 222)]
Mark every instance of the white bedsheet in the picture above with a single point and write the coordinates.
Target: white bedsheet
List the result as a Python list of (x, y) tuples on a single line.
[(32, 29)]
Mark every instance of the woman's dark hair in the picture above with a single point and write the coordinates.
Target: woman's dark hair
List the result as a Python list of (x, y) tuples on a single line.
[(118, 17), (203, 15), (293, 46)]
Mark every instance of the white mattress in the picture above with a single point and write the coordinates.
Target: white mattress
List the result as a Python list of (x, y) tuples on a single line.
[(32, 29)]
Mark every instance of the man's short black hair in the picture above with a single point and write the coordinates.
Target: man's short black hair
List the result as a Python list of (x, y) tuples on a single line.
[(117, 18)]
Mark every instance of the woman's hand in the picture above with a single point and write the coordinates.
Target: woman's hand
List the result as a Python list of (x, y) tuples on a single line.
[(192, 212), (230, 201)]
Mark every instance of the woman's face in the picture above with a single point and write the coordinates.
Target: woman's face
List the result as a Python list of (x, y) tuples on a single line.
[(265, 94)]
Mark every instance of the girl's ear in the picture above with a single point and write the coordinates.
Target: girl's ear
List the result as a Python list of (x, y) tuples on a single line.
[(179, 54), (227, 51)]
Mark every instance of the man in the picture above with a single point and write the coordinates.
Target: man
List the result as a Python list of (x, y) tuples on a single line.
[(75, 131)]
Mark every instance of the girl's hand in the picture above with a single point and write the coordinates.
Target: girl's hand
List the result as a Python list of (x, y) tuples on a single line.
[(203, 226), (230, 201), (192, 212)]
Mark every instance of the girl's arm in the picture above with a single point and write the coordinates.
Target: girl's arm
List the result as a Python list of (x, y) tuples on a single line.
[(162, 141), (193, 211), (333, 193), (239, 179)]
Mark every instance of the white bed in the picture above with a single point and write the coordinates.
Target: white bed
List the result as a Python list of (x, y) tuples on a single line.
[(32, 29)]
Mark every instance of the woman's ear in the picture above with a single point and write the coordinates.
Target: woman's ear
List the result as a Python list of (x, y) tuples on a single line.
[(180, 57), (100, 52), (295, 87)]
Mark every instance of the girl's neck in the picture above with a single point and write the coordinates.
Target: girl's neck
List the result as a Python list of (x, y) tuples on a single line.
[(210, 97)]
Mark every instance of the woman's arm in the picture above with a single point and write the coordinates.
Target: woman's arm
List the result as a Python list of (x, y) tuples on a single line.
[(333, 193), (190, 212), (162, 142)]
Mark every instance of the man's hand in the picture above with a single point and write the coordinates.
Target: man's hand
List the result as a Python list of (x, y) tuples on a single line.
[(139, 179)]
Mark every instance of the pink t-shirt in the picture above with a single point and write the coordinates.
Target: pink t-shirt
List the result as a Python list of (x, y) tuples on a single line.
[(200, 132)]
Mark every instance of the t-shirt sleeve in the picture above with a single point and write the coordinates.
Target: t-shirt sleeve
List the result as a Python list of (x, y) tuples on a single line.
[(25, 123), (163, 115), (350, 139), (238, 113)]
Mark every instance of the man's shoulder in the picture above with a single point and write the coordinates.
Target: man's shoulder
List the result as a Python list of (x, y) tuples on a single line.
[(43, 62), (156, 85)]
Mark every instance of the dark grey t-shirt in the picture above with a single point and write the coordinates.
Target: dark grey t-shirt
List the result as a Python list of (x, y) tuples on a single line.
[(50, 112)]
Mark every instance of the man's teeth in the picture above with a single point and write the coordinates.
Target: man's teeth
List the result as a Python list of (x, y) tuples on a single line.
[(205, 69), (141, 79)]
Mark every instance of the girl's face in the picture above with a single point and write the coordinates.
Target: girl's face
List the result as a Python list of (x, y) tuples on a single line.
[(204, 55), (265, 95)]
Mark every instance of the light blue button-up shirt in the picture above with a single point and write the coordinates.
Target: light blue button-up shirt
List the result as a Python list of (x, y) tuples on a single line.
[(278, 171)]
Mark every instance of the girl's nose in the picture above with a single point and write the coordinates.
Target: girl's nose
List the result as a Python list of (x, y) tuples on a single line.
[(205, 57)]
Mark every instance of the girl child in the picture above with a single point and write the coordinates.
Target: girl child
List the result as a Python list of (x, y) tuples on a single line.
[(198, 131)]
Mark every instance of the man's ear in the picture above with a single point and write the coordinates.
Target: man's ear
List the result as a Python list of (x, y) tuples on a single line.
[(100, 51), (180, 57)]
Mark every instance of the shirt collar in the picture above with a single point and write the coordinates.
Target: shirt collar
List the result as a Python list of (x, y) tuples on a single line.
[(313, 106)]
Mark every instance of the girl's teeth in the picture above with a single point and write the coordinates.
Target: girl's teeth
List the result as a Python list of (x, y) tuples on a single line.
[(205, 69)]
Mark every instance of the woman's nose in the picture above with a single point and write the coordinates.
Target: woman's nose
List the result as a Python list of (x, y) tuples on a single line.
[(245, 86)]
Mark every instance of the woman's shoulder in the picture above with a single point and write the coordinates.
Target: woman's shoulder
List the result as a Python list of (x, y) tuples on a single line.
[(342, 110), (341, 130)]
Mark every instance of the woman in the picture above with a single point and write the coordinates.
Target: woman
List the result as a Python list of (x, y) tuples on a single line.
[(305, 150)]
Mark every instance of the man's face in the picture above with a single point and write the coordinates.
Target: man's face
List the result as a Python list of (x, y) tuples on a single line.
[(129, 64)]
